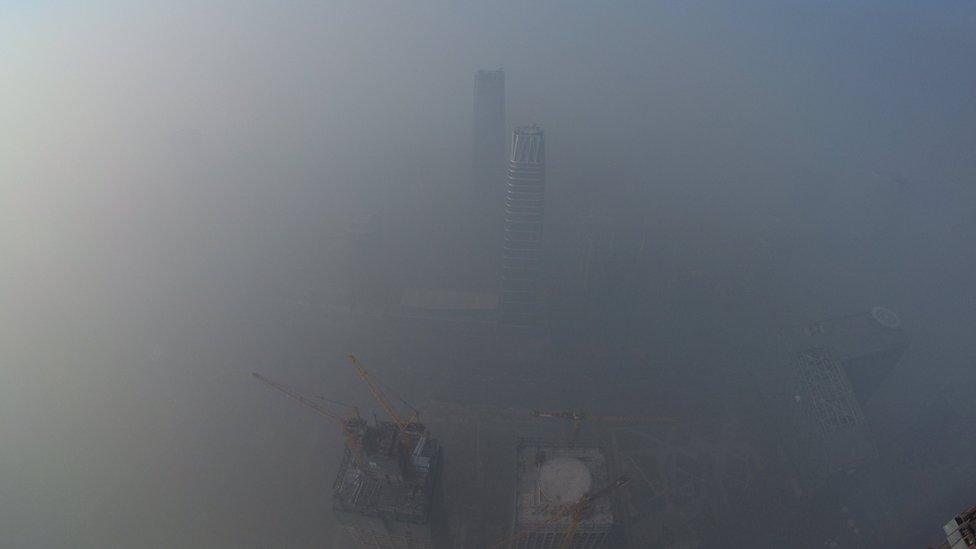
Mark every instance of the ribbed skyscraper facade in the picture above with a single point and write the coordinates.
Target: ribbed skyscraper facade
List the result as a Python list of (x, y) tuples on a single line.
[(521, 305)]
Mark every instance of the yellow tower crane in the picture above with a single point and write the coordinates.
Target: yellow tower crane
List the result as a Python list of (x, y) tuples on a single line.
[(377, 392), (410, 430), (353, 426)]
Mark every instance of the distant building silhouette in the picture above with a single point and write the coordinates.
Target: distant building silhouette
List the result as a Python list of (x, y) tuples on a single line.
[(868, 345), (521, 305), (817, 379), (487, 183), (489, 139), (360, 258)]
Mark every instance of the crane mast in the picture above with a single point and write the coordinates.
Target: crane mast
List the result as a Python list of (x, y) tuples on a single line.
[(377, 393), (387, 478)]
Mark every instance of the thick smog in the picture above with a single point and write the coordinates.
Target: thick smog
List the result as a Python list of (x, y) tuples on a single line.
[(430, 275)]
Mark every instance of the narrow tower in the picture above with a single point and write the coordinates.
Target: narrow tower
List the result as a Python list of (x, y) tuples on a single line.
[(487, 185), (486, 188), (521, 306), (488, 164)]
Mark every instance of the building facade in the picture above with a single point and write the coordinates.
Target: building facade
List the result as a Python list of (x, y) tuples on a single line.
[(488, 163), (522, 257), (961, 530), (489, 132)]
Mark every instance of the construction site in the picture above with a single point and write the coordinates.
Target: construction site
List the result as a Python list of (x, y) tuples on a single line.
[(385, 490), (388, 492)]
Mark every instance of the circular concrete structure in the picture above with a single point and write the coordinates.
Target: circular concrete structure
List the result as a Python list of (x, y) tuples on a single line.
[(564, 480), (886, 317)]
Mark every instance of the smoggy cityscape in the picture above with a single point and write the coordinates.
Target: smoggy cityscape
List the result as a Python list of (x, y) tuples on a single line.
[(430, 275)]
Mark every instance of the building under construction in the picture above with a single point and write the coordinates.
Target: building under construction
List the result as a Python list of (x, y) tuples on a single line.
[(551, 478), (386, 501), (385, 491), (960, 531)]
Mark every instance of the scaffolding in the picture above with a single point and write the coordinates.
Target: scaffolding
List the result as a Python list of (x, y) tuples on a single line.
[(377, 506), (578, 468)]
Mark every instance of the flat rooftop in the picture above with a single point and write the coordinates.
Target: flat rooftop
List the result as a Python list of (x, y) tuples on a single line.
[(553, 475)]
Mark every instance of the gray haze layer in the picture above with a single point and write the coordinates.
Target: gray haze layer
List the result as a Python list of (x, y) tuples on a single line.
[(174, 177)]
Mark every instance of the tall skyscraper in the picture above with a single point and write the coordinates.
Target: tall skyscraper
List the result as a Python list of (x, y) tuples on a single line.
[(521, 305), (489, 135), (488, 165)]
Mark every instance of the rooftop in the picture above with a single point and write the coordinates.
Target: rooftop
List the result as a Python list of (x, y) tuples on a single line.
[(553, 475), (529, 130), (373, 491), (961, 530), (829, 427)]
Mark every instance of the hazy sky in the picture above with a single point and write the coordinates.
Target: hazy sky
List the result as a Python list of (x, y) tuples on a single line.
[(159, 160)]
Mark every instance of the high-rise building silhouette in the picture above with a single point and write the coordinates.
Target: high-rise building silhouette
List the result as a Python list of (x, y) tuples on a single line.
[(521, 305), (489, 141), (487, 184)]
